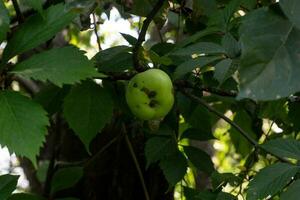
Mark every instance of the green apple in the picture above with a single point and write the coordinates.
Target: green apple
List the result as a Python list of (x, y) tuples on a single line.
[(149, 94)]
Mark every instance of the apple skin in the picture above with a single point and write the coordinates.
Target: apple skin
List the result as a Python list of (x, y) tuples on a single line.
[(149, 94)]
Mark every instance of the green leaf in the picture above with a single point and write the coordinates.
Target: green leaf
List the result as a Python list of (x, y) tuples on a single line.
[(65, 178), (204, 7), (221, 70), (291, 9), (225, 196), (199, 48), (289, 148), (51, 98), (41, 172), (60, 66), (37, 5), (174, 174), (23, 124), (190, 65), (222, 18), (193, 194), (144, 7), (36, 30), (129, 38), (292, 192), (269, 64), (196, 134), (274, 110), (231, 46), (196, 36), (270, 180), (70, 198), (115, 59), (87, 108), (199, 118), (25, 196), (293, 114), (200, 159), (158, 148), (205, 195), (221, 179), (8, 184), (4, 22), (241, 144)]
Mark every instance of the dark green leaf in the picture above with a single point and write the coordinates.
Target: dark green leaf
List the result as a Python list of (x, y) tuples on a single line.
[(193, 194), (41, 172), (200, 48), (144, 7), (192, 64), (231, 46), (25, 196), (115, 59), (196, 134), (4, 22), (60, 66), (65, 178), (221, 179), (87, 108), (292, 192), (205, 195), (293, 114), (8, 184), (130, 39), (269, 65), (241, 144), (158, 148), (37, 30), (37, 5), (70, 198), (51, 98), (196, 36), (271, 180), (199, 118), (225, 196), (289, 148), (23, 124), (174, 174), (291, 8), (204, 7), (200, 159), (222, 18), (222, 69), (275, 110)]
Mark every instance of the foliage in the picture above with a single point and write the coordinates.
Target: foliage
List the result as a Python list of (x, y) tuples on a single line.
[(235, 70)]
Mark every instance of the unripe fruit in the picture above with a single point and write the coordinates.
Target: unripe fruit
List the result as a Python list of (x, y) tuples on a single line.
[(149, 94)]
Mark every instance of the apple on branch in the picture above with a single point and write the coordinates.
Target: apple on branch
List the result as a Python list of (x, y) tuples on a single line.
[(149, 94)]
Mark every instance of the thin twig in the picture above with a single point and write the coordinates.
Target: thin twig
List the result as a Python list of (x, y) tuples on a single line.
[(137, 165), (54, 154), (103, 149), (141, 38), (19, 14), (233, 124), (96, 32), (212, 90)]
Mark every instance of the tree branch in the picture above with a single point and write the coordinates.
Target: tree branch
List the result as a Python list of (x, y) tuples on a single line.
[(103, 149), (137, 165), (233, 124), (20, 16), (212, 90), (96, 32), (141, 38)]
